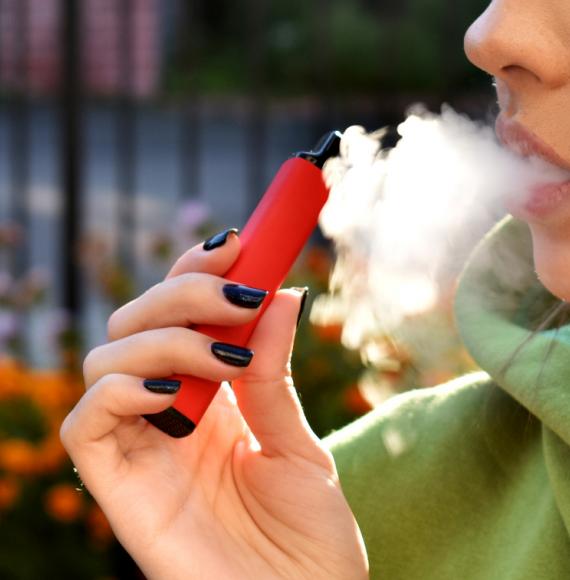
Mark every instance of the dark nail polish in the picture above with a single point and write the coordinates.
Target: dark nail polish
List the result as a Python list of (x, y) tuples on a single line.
[(244, 296), (162, 386), (305, 292), (218, 240), (231, 354)]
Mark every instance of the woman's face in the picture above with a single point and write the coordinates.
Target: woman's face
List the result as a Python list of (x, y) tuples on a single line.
[(525, 46)]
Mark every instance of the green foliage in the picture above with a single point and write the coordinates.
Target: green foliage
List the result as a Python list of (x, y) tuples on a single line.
[(341, 46), (35, 546), (356, 48), (21, 419), (49, 529)]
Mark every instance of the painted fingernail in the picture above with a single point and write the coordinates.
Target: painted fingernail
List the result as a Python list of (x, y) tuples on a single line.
[(219, 239), (305, 292), (162, 386), (231, 354), (244, 296)]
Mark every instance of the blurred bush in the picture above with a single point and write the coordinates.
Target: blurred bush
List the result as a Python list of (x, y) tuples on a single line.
[(340, 47), (50, 529)]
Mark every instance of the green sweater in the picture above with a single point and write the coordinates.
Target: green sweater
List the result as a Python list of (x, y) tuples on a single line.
[(471, 480)]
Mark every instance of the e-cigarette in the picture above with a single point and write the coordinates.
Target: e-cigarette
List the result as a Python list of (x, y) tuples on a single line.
[(271, 240)]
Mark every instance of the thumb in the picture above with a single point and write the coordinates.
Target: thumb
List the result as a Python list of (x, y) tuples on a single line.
[(266, 394), (273, 337)]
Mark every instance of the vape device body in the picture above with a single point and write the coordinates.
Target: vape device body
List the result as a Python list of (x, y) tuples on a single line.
[(270, 243)]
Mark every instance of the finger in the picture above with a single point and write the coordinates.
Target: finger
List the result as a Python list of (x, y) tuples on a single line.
[(184, 300), (109, 402), (216, 260), (265, 392), (164, 352)]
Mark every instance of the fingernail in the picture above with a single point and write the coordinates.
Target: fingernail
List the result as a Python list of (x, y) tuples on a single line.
[(231, 354), (244, 296), (162, 386), (219, 239), (305, 292)]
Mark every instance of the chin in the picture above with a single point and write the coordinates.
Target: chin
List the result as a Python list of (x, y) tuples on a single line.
[(552, 261)]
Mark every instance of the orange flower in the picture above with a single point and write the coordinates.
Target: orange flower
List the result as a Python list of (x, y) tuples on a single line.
[(13, 378), (318, 262), (9, 491), (63, 502), (328, 332), (99, 527), (318, 368), (18, 456), (355, 401), (51, 453), (70, 358), (52, 389)]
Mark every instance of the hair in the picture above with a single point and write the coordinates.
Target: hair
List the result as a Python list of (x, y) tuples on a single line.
[(556, 317)]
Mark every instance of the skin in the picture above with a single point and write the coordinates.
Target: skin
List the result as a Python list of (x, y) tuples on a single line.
[(525, 46), (252, 493)]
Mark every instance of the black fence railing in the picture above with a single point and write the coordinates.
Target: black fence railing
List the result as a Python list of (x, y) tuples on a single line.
[(71, 154)]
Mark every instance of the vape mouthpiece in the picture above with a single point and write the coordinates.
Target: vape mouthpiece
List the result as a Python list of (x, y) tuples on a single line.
[(327, 147)]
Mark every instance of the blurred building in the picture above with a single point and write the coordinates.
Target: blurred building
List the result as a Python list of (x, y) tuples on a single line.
[(119, 55)]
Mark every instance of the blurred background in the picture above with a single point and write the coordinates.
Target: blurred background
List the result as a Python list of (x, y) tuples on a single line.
[(132, 129)]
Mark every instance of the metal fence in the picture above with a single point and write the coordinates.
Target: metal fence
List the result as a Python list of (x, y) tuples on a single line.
[(80, 153)]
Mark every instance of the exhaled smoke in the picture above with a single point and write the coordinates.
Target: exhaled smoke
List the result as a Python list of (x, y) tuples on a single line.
[(396, 216)]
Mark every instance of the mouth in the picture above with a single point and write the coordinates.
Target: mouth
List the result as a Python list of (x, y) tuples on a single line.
[(526, 144), (545, 200)]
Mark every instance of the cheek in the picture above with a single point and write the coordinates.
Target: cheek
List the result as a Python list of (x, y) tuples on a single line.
[(551, 121), (552, 260)]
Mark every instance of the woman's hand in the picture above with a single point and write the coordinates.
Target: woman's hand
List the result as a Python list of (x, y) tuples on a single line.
[(251, 493)]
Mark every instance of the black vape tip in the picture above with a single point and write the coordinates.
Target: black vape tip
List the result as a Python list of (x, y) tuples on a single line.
[(327, 147)]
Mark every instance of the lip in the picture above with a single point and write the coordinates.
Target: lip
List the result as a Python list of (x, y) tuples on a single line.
[(546, 198), (526, 144), (543, 202)]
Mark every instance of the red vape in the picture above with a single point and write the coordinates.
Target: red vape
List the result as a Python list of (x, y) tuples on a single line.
[(270, 243)]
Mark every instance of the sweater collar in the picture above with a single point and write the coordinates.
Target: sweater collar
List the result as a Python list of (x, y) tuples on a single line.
[(501, 309)]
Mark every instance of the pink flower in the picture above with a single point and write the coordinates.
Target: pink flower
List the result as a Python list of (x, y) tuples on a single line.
[(193, 214), (9, 325)]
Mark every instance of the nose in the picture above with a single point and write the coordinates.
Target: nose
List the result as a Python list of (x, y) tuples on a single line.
[(517, 42)]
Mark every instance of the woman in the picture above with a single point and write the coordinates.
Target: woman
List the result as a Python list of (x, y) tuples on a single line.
[(467, 480)]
